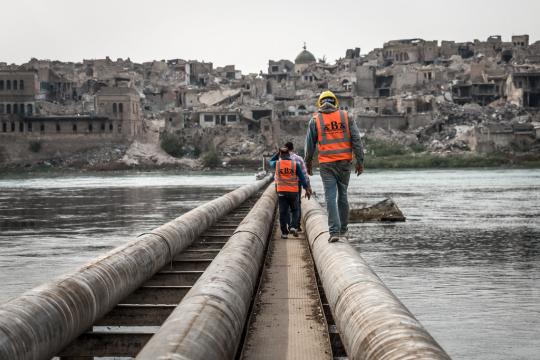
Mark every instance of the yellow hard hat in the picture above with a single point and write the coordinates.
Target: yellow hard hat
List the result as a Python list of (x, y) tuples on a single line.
[(327, 95)]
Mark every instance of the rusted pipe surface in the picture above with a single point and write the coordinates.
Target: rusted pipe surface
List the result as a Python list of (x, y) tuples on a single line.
[(42, 321), (372, 322), (208, 322)]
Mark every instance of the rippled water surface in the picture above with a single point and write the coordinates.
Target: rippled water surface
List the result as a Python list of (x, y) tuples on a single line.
[(466, 262), (51, 226)]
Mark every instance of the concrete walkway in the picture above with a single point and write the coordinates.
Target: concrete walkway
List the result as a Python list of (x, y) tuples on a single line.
[(287, 321)]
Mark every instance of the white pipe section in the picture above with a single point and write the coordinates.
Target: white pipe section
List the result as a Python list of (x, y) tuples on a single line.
[(41, 322), (208, 322), (372, 322)]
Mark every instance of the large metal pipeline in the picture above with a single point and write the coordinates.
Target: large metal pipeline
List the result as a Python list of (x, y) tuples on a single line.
[(372, 322), (209, 321), (42, 321)]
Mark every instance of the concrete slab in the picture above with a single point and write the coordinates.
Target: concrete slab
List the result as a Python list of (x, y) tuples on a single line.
[(288, 322)]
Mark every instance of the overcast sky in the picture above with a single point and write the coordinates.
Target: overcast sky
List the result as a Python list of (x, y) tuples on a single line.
[(246, 33)]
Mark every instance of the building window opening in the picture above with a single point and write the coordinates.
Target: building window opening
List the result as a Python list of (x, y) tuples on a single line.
[(120, 108), (12, 127), (1, 85), (114, 108), (533, 100), (15, 109), (29, 109), (29, 126), (2, 108), (58, 129), (8, 109), (15, 85), (384, 92), (8, 84), (42, 127), (74, 127), (21, 127), (102, 127), (90, 128), (21, 84), (4, 127), (110, 127), (21, 108)]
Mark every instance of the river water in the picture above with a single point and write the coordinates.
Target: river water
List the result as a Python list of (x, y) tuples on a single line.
[(466, 262)]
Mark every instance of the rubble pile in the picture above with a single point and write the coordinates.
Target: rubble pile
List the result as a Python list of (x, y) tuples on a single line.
[(90, 159)]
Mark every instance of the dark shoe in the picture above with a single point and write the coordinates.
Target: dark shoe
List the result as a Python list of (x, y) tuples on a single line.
[(294, 232), (333, 238)]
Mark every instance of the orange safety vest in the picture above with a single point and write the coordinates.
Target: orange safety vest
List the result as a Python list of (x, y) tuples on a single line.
[(334, 136), (286, 179)]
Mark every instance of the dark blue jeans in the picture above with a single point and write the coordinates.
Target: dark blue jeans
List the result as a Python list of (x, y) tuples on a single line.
[(288, 205), (299, 205), (335, 177)]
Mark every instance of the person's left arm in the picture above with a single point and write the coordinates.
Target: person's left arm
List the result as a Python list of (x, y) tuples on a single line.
[(301, 176), (302, 179), (358, 148), (303, 167)]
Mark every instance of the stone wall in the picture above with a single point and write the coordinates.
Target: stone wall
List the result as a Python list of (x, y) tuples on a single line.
[(387, 122), (418, 120), (17, 149)]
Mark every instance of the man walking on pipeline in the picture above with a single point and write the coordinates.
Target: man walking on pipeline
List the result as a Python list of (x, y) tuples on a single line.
[(336, 138), (288, 176)]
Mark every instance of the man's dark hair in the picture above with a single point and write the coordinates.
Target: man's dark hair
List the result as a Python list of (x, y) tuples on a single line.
[(289, 146), (284, 151)]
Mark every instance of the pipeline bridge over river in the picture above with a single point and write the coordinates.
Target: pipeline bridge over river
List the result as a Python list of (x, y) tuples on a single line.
[(219, 283)]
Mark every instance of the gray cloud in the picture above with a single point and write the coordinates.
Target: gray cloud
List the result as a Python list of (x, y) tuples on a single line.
[(245, 32)]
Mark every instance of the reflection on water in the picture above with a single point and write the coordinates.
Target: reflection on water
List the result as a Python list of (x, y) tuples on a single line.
[(467, 261), (51, 226)]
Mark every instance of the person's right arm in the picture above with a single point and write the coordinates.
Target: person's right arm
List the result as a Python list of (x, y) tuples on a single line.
[(273, 160), (311, 145)]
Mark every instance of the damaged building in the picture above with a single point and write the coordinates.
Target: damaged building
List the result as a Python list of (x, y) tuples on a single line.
[(420, 88), (18, 92), (523, 88)]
